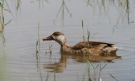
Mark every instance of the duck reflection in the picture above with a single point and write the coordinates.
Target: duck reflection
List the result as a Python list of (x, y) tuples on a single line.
[(59, 66), (81, 58)]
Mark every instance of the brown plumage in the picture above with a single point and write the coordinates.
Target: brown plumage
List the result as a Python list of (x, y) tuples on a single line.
[(91, 48), (90, 44)]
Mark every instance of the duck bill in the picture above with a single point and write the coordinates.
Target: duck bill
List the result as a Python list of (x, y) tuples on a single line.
[(48, 38)]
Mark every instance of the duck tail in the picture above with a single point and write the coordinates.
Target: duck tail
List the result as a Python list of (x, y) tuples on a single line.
[(115, 47)]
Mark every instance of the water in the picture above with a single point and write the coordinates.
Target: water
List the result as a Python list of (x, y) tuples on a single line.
[(18, 52)]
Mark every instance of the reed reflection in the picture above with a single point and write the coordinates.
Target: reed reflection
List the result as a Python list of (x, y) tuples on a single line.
[(3, 68)]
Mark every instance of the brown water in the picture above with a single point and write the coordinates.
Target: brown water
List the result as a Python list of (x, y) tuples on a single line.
[(18, 53)]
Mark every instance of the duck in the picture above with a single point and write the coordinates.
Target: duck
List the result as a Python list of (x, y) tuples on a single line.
[(93, 48)]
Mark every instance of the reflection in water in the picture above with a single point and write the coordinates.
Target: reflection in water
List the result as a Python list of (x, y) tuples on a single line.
[(82, 58), (60, 66), (2, 58), (95, 65), (95, 71)]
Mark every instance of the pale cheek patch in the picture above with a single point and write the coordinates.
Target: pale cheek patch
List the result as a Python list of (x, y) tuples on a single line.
[(61, 38)]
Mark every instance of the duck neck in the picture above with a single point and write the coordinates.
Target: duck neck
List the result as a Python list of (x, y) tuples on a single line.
[(65, 45)]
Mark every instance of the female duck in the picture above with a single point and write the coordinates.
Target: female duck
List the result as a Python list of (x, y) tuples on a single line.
[(85, 47)]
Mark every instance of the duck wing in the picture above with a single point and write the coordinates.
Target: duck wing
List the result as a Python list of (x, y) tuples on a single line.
[(90, 44)]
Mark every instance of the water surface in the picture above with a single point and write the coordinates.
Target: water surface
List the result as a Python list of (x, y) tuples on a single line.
[(18, 52)]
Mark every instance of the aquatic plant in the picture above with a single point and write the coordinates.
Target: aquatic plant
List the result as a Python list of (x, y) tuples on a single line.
[(37, 54), (3, 59), (85, 37), (4, 8), (61, 12), (114, 77), (18, 4), (83, 31), (123, 7), (95, 71), (2, 16)]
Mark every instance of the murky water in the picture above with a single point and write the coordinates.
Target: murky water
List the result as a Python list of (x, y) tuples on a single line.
[(18, 60)]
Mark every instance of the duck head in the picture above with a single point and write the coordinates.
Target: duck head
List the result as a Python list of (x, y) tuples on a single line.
[(58, 37)]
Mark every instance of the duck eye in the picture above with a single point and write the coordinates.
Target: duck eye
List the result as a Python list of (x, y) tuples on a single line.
[(54, 37)]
